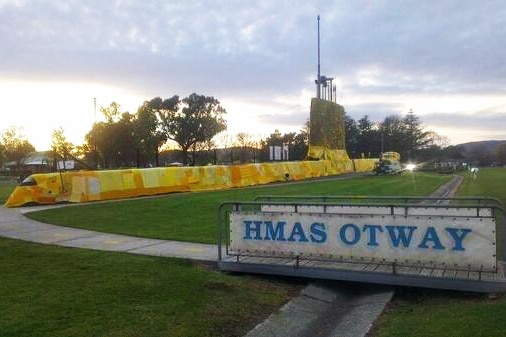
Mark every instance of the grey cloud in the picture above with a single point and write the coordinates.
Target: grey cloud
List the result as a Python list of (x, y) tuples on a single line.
[(482, 120), (375, 111), (261, 48), (295, 119)]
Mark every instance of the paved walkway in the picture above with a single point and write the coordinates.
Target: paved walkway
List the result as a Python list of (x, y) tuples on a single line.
[(13, 224)]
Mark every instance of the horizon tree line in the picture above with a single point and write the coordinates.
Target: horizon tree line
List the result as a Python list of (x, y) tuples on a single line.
[(195, 123)]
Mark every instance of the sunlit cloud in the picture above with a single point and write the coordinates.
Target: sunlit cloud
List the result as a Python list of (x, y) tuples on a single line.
[(41, 107)]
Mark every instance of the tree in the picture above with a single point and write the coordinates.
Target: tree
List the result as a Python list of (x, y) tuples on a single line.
[(112, 113), (352, 135), (113, 141), (392, 135), (434, 139), (197, 122), (414, 136), (244, 139), (369, 141), (300, 145), (147, 133), (275, 139), (96, 145), (297, 143), (225, 142), (60, 145), (126, 151), (15, 145), (246, 143), (453, 152)]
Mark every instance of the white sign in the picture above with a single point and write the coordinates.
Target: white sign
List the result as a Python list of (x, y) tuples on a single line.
[(66, 165), (276, 153), (466, 242)]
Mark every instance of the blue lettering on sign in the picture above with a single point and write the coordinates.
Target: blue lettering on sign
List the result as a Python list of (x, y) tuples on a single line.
[(458, 235), (252, 226), (318, 233), (268, 231), (399, 236), (355, 232), (298, 233), (431, 236), (372, 229), (275, 233)]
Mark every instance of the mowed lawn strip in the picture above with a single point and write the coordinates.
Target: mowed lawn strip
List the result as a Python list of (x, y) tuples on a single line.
[(192, 216), (424, 312), (490, 182), (70, 292), (6, 188)]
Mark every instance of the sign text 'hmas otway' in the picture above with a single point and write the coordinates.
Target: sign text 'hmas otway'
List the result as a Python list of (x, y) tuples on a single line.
[(463, 242)]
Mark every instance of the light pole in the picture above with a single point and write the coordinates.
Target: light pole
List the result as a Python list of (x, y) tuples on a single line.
[(381, 143), (318, 77), (95, 132)]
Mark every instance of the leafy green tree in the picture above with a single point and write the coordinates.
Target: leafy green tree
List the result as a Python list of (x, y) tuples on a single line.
[(300, 144), (112, 113), (60, 145), (125, 148), (95, 145), (114, 142), (15, 145), (197, 122), (147, 133)]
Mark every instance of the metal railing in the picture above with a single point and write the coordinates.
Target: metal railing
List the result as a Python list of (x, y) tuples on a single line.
[(482, 206)]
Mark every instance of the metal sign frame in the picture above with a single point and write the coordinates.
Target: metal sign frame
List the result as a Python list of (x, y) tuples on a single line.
[(376, 270)]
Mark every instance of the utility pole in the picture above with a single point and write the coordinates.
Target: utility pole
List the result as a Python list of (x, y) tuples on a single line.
[(95, 132)]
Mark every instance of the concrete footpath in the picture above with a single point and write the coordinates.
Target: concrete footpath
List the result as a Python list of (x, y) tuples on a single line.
[(13, 224), (323, 309)]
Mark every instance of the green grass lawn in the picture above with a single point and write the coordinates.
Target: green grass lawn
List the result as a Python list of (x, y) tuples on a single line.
[(53, 291), (192, 216), (56, 291), (6, 188), (489, 182), (68, 292), (422, 312)]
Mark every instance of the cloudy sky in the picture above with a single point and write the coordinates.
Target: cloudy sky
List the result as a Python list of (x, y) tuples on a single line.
[(446, 60)]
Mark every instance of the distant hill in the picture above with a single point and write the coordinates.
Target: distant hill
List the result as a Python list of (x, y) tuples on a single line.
[(486, 146)]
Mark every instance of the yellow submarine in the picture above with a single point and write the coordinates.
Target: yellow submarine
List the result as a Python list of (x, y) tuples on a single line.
[(326, 156)]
